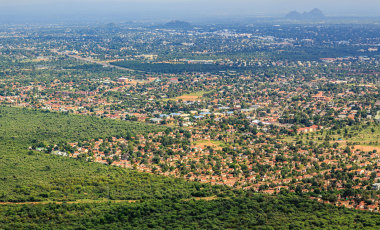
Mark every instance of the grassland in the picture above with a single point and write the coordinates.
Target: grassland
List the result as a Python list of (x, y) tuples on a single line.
[(357, 135), (217, 145)]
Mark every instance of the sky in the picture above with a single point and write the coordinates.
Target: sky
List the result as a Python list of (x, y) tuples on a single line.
[(193, 10)]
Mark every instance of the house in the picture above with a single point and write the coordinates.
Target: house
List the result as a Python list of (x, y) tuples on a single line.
[(59, 153), (375, 49), (174, 114), (376, 186), (312, 128), (156, 120)]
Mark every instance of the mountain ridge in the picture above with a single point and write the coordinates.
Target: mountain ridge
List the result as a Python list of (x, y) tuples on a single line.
[(311, 15)]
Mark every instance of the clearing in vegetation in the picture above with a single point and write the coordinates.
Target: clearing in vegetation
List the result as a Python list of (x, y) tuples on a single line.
[(195, 96)]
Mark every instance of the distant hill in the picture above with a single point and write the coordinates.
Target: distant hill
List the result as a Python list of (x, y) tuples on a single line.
[(311, 15), (176, 24), (293, 15)]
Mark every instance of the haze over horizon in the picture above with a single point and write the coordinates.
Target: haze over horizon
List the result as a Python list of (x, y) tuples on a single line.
[(22, 11)]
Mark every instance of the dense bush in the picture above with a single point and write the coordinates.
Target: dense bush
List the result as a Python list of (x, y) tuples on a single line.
[(244, 212)]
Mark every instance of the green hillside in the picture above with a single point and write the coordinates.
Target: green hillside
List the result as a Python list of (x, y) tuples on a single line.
[(33, 176)]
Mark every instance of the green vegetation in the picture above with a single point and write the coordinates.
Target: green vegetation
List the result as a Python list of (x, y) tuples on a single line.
[(162, 202), (243, 212), (27, 126), (364, 134), (174, 68), (33, 176), (286, 110)]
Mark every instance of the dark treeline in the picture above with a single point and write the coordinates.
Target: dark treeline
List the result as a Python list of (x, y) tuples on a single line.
[(247, 211)]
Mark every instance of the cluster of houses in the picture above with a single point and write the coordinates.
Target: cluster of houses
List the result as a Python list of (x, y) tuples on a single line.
[(249, 165), (150, 100)]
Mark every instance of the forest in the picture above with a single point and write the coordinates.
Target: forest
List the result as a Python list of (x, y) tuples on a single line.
[(247, 211)]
